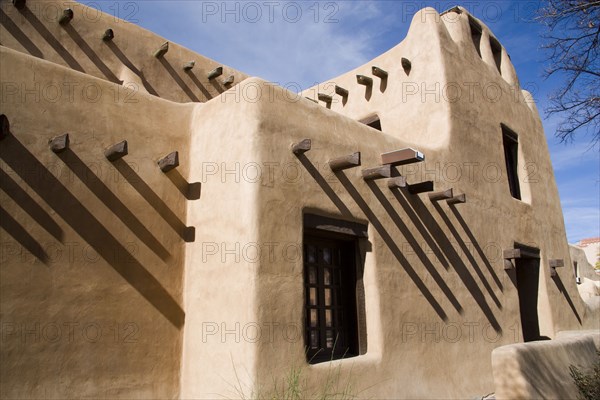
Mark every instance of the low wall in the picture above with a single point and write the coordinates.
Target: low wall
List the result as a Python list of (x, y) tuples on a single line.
[(541, 369)]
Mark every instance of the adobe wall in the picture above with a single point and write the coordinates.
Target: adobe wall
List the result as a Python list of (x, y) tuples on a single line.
[(92, 251), (127, 59)]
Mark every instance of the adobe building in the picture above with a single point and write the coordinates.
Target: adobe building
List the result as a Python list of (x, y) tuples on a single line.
[(173, 228)]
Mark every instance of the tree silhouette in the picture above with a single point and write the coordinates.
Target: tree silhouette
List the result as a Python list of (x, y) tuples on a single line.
[(572, 41)]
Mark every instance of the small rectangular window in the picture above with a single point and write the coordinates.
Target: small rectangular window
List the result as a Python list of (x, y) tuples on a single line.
[(497, 52), (475, 34), (330, 283), (511, 152)]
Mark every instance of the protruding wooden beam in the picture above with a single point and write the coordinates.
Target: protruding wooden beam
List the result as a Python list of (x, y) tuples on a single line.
[(340, 91), (397, 182), (421, 187), (553, 272), (406, 65), (437, 196), (162, 50), (378, 72), (510, 254), (108, 35), (508, 264), (66, 17), (383, 171), (301, 147), (228, 81), (116, 151), (215, 73), (325, 97), (169, 162), (59, 143), (401, 157), (4, 126), (364, 80), (345, 162), (461, 198), (189, 65), (556, 263), (19, 4)]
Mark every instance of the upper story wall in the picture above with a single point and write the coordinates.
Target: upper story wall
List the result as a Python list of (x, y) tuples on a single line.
[(92, 251), (127, 59)]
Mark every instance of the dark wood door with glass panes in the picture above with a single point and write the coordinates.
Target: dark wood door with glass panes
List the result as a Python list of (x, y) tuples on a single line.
[(330, 291)]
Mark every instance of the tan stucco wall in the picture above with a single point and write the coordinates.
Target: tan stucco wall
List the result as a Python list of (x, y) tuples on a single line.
[(540, 370), (92, 271), (127, 59), (437, 298)]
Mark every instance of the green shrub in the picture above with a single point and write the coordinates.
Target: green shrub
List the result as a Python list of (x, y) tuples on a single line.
[(587, 384)]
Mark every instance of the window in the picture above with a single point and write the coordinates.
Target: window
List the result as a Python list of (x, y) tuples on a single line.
[(373, 121), (331, 258), (497, 52), (511, 150), (475, 34)]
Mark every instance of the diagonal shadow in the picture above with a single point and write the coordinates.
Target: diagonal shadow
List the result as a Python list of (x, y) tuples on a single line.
[(191, 191), (199, 84), (425, 233), (178, 79), (415, 245), (112, 202), (216, 85), (91, 54), (52, 41), (316, 175), (563, 290), (18, 34), (478, 248), (468, 254), (29, 205), (20, 234), (391, 245), (89, 228), (438, 234), (123, 58), (154, 200)]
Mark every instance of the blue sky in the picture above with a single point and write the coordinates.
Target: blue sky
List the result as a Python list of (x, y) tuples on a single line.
[(301, 43)]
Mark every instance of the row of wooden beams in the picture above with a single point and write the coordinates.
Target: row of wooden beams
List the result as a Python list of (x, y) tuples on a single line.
[(398, 157)]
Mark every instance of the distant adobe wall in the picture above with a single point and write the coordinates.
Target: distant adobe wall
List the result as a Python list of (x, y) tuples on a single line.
[(126, 59), (91, 250)]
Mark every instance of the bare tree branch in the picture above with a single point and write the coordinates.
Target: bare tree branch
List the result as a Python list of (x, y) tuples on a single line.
[(573, 44)]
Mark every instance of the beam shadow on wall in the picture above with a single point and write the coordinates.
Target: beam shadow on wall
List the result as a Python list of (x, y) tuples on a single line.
[(185, 232), (91, 54), (412, 241), (408, 201), (178, 79), (216, 85), (18, 34), (70, 209), (199, 84), (191, 191), (389, 241), (112, 202), (316, 175), (123, 58), (468, 254), (21, 235), (30, 206), (476, 245), (50, 39), (561, 287)]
